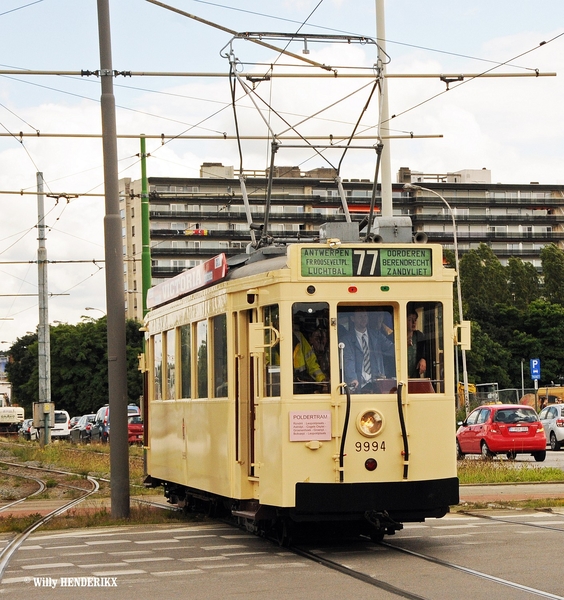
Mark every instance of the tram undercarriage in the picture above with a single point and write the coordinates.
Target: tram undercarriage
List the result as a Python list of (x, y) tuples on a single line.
[(326, 510)]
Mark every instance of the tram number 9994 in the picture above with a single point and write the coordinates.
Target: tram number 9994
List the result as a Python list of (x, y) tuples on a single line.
[(370, 446)]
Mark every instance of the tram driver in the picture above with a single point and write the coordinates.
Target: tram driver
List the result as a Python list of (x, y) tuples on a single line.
[(310, 322), (308, 376), (367, 356)]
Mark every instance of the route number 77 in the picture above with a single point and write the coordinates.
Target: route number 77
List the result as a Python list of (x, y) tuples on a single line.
[(371, 258)]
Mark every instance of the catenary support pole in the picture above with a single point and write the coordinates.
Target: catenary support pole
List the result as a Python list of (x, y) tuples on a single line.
[(145, 228), (43, 338), (117, 367), (385, 158)]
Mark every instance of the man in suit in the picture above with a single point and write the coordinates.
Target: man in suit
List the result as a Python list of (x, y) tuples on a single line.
[(363, 355)]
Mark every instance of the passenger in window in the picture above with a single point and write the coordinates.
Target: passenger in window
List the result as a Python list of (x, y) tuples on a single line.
[(308, 376), (364, 354), (416, 347), (318, 341), (383, 321)]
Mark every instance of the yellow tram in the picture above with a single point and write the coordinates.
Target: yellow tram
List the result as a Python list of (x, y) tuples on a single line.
[(252, 406)]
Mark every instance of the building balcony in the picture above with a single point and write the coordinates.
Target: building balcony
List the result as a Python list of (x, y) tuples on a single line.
[(553, 202), (240, 217), (491, 236)]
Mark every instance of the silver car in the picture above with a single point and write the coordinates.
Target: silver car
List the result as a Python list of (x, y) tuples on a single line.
[(552, 419)]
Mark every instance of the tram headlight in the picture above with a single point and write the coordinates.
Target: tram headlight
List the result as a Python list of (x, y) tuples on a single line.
[(369, 422)]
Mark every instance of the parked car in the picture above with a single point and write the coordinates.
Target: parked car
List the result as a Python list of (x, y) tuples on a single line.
[(28, 431), (73, 421), (80, 433), (502, 428), (60, 428), (101, 425), (552, 419), (135, 429)]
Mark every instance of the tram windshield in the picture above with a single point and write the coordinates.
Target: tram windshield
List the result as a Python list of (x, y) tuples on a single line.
[(368, 354)]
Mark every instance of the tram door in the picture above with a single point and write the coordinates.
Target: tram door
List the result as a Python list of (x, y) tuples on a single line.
[(245, 398), (258, 375)]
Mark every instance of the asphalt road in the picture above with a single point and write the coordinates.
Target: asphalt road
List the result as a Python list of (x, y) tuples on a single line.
[(459, 556), (213, 560)]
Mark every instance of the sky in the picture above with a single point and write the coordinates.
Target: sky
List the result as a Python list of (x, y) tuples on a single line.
[(512, 126)]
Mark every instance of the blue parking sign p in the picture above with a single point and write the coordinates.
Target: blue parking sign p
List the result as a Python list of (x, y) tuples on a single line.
[(535, 368)]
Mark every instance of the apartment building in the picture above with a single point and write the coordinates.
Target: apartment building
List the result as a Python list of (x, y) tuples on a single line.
[(192, 219)]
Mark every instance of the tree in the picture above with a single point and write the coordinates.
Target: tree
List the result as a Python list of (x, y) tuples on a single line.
[(484, 282), (544, 323), (79, 366), (488, 360), (552, 259), (19, 367), (523, 281)]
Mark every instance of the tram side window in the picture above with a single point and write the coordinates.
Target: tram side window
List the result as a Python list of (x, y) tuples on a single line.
[(186, 361), (202, 359), (158, 366), (271, 354), (219, 325), (425, 347), (369, 357), (170, 364), (311, 358)]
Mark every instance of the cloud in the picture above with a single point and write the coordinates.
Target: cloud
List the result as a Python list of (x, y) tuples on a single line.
[(511, 126)]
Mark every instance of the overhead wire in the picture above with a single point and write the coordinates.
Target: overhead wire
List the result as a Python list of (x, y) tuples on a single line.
[(19, 7), (288, 124), (97, 100), (345, 32), (470, 79)]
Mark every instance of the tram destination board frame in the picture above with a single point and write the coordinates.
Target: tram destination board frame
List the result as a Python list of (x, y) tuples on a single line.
[(406, 261)]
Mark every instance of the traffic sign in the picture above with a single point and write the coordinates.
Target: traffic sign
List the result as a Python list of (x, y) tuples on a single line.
[(535, 368)]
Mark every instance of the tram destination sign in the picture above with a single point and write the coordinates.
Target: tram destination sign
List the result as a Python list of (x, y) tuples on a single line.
[(369, 262), (206, 273)]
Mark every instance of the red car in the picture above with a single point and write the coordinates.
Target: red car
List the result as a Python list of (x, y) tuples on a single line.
[(502, 428), (135, 429)]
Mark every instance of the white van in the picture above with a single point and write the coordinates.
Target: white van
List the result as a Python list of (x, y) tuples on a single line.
[(60, 428)]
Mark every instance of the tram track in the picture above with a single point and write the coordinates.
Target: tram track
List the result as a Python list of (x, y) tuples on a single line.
[(513, 521), (400, 592), (365, 577), (473, 572), (41, 488), (405, 593), (14, 544)]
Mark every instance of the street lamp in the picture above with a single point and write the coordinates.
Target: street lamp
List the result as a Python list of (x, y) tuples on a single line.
[(92, 308), (410, 186)]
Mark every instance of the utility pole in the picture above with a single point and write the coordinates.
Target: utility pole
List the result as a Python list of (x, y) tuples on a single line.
[(145, 228), (44, 352), (117, 366), (386, 164)]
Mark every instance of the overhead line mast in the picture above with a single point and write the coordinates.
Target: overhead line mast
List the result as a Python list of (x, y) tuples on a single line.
[(384, 118), (250, 76)]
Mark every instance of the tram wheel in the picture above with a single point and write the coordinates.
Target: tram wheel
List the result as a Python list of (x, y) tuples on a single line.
[(283, 532), (377, 535)]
